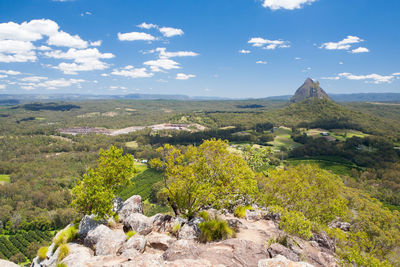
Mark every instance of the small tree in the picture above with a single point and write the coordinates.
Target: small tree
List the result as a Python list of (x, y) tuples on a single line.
[(207, 175), (95, 191)]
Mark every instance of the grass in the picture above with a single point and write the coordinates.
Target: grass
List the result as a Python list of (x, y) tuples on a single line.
[(215, 230), (42, 252), (142, 184), (337, 165), (240, 212), (283, 139), (130, 234), (64, 251), (132, 144), (339, 134), (141, 167), (4, 178), (65, 236)]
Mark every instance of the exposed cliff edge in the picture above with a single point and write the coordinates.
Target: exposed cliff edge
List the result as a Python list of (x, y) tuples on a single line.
[(163, 240)]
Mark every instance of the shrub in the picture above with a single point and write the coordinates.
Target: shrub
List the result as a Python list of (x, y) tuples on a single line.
[(130, 234), (65, 236), (42, 252), (64, 251), (240, 212), (205, 215), (215, 230), (294, 222), (61, 265), (176, 228)]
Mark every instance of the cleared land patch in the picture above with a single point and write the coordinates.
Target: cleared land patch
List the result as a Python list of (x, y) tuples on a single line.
[(283, 139), (4, 178)]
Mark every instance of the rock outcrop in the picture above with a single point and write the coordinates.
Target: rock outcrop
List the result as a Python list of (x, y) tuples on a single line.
[(4, 263), (160, 242), (309, 89)]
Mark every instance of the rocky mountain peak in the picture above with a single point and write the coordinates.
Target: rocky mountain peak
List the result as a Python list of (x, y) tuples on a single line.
[(309, 89)]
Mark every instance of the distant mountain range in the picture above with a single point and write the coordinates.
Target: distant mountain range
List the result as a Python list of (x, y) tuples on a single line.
[(13, 99)]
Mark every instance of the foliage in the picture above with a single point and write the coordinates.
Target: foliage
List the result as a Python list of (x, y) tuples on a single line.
[(63, 252), (61, 264), (257, 158), (240, 211), (129, 234), (204, 175), (143, 185), (93, 194), (214, 230), (42, 253), (65, 236), (294, 222), (205, 215), (305, 188)]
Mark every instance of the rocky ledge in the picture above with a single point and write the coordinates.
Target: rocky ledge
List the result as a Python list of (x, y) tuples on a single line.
[(159, 242)]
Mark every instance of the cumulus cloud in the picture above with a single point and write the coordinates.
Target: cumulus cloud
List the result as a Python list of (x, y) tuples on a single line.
[(84, 59), (96, 43), (170, 32), (182, 76), (243, 51), (10, 72), (360, 50), (370, 78), (3, 76), (162, 64), (52, 84), (2, 86), (164, 54), (132, 72), (261, 62), (344, 44), (285, 4), (268, 44), (33, 79), (16, 40), (135, 36), (147, 26)]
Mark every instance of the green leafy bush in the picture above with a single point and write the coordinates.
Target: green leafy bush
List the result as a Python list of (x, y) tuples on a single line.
[(205, 215), (130, 234), (214, 230), (64, 251), (240, 212), (294, 222), (42, 252), (61, 265)]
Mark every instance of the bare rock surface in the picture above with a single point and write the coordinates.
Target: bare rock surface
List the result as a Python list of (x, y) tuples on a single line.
[(87, 224), (111, 243), (78, 255), (94, 236), (131, 205), (281, 261), (5, 263), (138, 223), (159, 241), (189, 232), (136, 242), (278, 249)]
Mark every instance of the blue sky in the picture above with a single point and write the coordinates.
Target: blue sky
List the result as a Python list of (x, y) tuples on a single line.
[(228, 48)]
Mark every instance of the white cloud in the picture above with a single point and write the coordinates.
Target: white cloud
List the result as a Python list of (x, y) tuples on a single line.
[(360, 50), (330, 78), (2, 86), (297, 58), (182, 76), (268, 44), (86, 13), (84, 60), (344, 44), (10, 72), (16, 51), (396, 74), (164, 54), (285, 4), (135, 36), (370, 78), (169, 32), (43, 48), (96, 43), (147, 26), (132, 72), (105, 74), (244, 51), (3, 76), (65, 39), (52, 84), (28, 31), (340, 63), (162, 63), (33, 79), (261, 62)]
